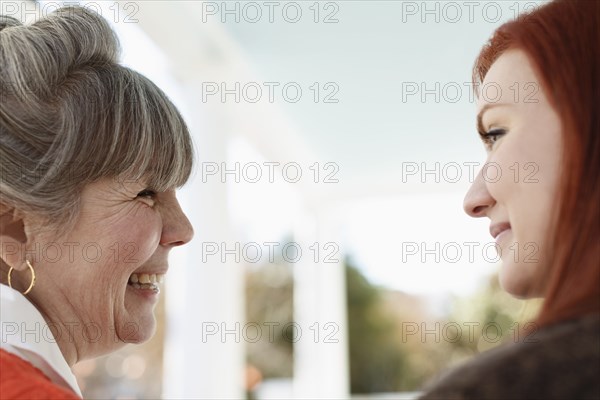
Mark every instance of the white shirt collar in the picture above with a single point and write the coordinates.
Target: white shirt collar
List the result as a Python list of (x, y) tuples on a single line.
[(26, 334)]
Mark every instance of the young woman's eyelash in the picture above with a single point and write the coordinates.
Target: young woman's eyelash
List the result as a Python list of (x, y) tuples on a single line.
[(490, 137)]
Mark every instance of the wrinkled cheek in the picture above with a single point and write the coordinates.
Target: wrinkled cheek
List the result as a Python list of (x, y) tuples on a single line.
[(96, 302), (145, 244), (134, 249), (136, 242)]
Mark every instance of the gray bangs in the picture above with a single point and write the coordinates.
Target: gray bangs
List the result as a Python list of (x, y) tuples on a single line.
[(130, 130), (161, 151)]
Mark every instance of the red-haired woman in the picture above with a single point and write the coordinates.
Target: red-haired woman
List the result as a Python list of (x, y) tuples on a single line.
[(543, 120)]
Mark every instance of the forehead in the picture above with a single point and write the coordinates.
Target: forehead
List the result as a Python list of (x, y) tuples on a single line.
[(511, 79)]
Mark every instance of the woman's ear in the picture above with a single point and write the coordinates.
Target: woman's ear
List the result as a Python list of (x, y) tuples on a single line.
[(12, 239)]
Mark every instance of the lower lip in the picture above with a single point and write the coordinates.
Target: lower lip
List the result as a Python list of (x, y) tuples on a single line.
[(147, 294), (502, 235)]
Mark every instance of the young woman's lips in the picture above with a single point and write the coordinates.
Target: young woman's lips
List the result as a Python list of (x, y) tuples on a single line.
[(499, 231), (502, 235)]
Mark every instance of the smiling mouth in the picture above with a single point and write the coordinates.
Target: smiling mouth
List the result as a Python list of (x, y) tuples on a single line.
[(146, 281), (497, 229), (501, 235)]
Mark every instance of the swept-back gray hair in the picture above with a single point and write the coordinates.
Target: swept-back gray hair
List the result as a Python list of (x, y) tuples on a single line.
[(70, 114)]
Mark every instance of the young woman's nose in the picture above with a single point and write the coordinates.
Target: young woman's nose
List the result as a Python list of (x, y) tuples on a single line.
[(478, 200)]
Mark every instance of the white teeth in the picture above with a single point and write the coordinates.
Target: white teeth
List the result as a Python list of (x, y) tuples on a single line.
[(146, 286), (146, 278)]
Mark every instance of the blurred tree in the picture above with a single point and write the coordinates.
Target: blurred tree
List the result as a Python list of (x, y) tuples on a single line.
[(385, 356), (378, 363)]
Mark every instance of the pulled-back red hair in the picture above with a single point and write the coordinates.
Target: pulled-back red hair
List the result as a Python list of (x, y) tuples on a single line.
[(562, 41)]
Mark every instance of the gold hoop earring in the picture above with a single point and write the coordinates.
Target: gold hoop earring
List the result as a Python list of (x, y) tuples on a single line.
[(31, 284)]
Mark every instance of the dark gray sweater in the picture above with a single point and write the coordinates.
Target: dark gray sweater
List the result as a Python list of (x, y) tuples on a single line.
[(562, 364)]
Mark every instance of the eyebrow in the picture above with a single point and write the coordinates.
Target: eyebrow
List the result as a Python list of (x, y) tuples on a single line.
[(483, 110)]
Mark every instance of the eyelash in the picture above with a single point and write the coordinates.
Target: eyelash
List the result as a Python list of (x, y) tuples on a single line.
[(491, 137)]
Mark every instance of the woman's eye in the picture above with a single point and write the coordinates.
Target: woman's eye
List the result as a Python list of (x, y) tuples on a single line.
[(490, 137), (147, 193)]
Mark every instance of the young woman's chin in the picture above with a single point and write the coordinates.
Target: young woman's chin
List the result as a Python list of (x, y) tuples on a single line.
[(517, 279)]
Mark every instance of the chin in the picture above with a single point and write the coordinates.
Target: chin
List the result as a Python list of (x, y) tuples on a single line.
[(139, 330), (515, 281)]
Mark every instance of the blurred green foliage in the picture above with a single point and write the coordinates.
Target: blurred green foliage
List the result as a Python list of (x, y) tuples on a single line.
[(378, 362), (397, 344), (386, 353)]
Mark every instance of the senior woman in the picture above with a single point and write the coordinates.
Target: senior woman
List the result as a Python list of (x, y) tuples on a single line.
[(91, 153), (544, 124)]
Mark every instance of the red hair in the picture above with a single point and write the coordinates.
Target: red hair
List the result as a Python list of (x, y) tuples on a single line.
[(562, 41)]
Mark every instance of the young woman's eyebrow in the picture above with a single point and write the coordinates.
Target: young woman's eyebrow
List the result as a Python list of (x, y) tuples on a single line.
[(483, 110)]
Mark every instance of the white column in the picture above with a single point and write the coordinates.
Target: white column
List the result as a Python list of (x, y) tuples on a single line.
[(202, 359), (321, 366)]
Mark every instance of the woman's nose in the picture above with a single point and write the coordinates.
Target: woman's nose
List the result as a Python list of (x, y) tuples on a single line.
[(177, 229), (478, 199)]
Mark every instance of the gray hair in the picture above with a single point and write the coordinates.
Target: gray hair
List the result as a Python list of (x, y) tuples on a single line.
[(70, 115)]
